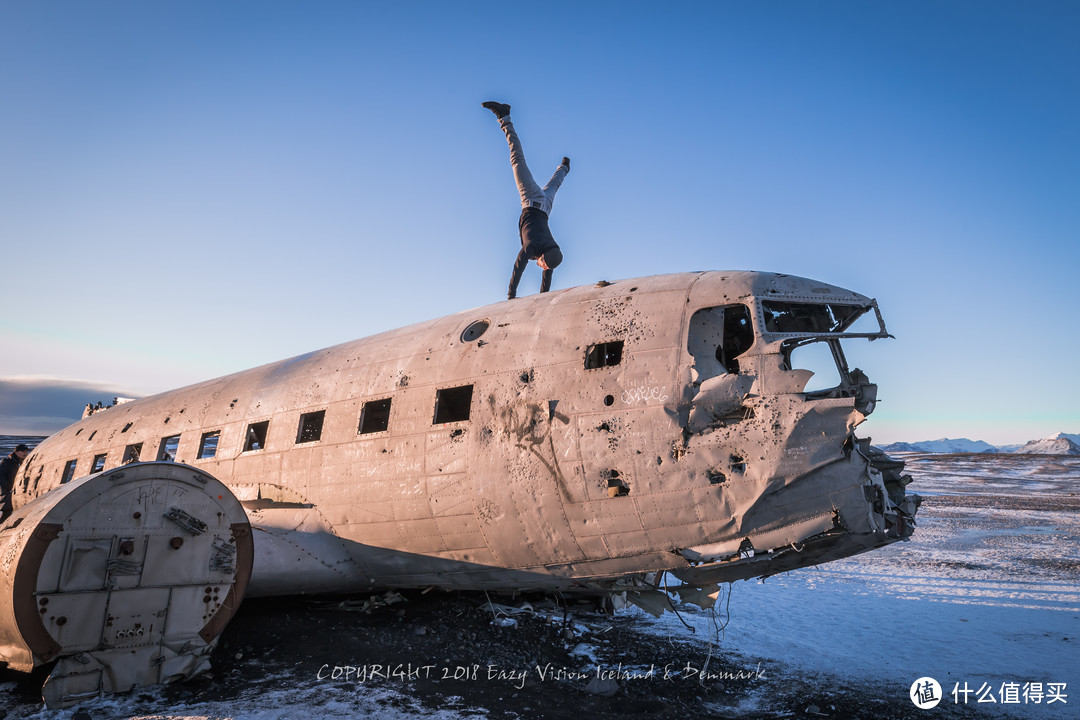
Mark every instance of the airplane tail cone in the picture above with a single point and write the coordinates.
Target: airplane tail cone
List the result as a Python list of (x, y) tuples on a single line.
[(125, 578)]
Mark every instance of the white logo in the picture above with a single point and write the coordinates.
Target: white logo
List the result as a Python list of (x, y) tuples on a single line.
[(925, 693)]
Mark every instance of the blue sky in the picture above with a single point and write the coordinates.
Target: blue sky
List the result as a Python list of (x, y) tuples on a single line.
[(189, 188)]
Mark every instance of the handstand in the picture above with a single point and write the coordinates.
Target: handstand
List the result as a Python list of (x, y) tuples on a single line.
[(536, 240)]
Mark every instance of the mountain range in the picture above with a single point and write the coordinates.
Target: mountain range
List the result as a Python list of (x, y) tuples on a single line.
[(1059, 444)]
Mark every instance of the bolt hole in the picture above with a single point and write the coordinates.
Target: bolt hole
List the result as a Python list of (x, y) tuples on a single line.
[(609, 400)]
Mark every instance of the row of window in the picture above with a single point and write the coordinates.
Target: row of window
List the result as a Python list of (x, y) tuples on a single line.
[(451, 405)]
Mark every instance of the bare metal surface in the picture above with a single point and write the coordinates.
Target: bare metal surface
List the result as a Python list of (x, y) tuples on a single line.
[(613, 432), (93, 580)]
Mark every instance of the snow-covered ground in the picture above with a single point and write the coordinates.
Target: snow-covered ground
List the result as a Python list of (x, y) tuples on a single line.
[(986, 591), (985, 596)]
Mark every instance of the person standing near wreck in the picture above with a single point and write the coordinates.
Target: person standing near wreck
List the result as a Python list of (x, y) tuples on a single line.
[(536, 240), (8, 467)]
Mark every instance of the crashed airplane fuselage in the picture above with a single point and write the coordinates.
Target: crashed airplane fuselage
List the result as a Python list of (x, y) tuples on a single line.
[(585, 439)]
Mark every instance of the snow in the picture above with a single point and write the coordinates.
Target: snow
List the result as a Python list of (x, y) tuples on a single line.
[(943, 445), (982, 593), (285, 704), (986, 592), (1058, 444)]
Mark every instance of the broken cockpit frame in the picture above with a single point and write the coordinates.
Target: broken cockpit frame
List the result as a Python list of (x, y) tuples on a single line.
[(811, 325), (770, 407)]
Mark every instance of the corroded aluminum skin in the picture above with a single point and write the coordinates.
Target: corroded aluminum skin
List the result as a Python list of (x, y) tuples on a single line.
[(95, 576), (517, 496)]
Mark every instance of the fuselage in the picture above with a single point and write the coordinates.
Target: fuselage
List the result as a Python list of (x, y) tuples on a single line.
[(575, 439)]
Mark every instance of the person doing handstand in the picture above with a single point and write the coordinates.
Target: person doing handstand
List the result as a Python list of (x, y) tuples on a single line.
[(536, 240)]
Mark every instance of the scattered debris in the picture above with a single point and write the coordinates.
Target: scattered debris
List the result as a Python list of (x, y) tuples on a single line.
[(373, 602)]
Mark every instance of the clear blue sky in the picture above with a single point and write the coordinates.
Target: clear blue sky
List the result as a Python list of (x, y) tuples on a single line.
[(191, 188)]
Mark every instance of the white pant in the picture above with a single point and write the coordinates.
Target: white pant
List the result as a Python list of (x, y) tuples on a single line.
[(532, 195)]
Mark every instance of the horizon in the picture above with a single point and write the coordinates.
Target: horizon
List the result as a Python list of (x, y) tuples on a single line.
[(190, 190), (81, 389)]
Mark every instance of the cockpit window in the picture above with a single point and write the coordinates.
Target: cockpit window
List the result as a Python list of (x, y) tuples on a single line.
[(792, 317), (830, 376), (817, 357), (717, 337)]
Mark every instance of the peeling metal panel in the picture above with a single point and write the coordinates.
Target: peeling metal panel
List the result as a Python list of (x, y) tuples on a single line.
[(608, 433), (691, 436), (124, 577)]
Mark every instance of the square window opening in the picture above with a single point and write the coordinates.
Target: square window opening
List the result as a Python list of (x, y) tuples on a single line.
[(375, 417), (716, 338), (310, 429), (603, 355), (452, 404), (208, 444), (256, 436), (69, 472), (168, 447), (132, 453), (99, 463)]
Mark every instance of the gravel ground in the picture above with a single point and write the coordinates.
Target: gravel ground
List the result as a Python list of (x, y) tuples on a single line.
[(986, 589)]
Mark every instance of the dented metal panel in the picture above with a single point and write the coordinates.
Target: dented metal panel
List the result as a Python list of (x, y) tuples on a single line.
[(584, 439), (99, 576)]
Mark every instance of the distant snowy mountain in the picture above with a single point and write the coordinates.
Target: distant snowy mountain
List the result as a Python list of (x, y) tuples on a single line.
[(944, 445), (1060, 444)]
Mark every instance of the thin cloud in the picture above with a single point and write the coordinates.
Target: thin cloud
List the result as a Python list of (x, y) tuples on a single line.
[(42, 405)]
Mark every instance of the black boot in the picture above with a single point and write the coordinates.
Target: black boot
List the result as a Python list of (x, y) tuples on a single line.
[(501, 110), (566, 162)]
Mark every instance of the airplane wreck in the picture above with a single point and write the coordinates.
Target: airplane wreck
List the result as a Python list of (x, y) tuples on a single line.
[(587, 440)]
